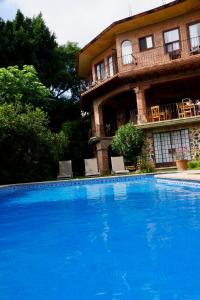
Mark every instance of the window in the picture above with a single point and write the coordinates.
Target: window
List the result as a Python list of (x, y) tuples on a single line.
[(172, 40), (167, 144), (110, 66), (146, 43), (100, 71), (127, 52), (194, 33)]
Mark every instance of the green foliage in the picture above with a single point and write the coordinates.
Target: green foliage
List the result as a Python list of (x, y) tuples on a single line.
[(28, 41), (29, 151), (66, 79), (22, 85), (59, 110), (76, 133), (194, 165), (128, 141), (145, 165), (37, 71)]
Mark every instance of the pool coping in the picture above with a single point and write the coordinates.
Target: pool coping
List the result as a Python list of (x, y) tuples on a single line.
[(106, 179), (77, 181)]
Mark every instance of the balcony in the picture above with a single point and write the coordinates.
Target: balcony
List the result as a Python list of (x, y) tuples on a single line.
[(186, 108), (162, 115), (186, 111), (187, 52)]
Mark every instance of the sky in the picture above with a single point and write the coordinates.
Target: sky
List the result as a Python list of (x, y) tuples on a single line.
[(77, 20)]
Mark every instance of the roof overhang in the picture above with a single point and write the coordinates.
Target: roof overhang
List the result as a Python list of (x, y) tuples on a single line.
[(107, 37)]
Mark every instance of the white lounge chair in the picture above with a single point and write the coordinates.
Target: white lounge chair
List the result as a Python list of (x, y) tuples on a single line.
[(118, 165), (91, 167), (65, 169)]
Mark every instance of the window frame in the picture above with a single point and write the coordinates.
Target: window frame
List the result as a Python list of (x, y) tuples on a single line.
[(188, 32), (144, 37), (102, 62), (179, 41), (129, 63), (108, 65)]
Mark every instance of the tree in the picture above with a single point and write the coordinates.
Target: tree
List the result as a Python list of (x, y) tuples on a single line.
[(66, 81), (28, 149), (128, 141), (26, 41), (22, 85), (76, 133)]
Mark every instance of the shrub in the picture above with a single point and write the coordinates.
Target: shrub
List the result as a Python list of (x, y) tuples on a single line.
[(194, 164), (128, 141), (29, 151), (146, 166)]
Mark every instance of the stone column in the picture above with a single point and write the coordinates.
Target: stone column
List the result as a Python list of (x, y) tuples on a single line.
[(98, 119), (102, 157), (92, 122), (141, 104)]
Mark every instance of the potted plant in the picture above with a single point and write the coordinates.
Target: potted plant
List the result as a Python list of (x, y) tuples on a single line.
[(182, 159)]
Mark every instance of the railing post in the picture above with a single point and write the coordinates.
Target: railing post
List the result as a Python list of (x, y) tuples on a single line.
[(141, 103)]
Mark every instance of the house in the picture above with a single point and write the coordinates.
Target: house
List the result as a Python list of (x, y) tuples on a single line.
[(145, 69)]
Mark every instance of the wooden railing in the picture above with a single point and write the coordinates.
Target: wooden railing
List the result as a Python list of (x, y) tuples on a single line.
[(171, 111)]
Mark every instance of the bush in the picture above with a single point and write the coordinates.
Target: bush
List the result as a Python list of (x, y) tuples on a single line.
[(29, 151), (146, 166), (128, 141), (194, 164)]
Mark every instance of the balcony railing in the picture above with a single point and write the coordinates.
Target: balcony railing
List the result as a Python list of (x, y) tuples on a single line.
[(173, 111), (108, 72), (184, 50), (156, 113)]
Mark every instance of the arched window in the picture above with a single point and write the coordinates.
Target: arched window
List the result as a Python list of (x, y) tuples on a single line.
[(127, 52)]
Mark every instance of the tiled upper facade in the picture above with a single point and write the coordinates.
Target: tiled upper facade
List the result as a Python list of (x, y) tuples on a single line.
[(168, 41)]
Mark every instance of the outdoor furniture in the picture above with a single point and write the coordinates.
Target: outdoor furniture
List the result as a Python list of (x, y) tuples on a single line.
[(65, 169), (91, 167), (197, 107), (180, 110), (186, 110), (118, 165), (186, 100), (156, 114)]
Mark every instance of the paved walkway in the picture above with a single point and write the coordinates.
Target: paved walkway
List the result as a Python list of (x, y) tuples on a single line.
[(187, 175)]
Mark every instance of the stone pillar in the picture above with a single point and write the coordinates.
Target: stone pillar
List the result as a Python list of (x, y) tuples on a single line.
[(141, 104), (92, 122), (103, 158), (98, 119)]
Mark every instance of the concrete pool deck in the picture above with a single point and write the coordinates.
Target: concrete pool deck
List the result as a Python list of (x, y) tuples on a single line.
[(186, 175)]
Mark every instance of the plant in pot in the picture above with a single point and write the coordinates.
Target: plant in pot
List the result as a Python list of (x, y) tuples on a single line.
[(182, 159)]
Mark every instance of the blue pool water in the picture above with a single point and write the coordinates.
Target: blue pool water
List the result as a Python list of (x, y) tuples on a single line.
[(136, 239)]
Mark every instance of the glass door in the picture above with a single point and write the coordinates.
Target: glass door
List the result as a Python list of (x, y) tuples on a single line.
[(168, 144)]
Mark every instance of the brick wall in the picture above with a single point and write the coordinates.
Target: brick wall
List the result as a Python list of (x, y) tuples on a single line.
[(153, 56)]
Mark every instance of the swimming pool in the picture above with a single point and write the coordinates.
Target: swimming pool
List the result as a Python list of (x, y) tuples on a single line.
[(127, 238)]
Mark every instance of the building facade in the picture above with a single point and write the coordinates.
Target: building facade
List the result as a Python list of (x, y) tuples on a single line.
[(145, 69)]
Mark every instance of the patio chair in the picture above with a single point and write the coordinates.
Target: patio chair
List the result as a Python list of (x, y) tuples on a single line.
[(157, 115), (185, 111), (65, 169), (91, 167), (186, 100), (180, 110), (118, 165)]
